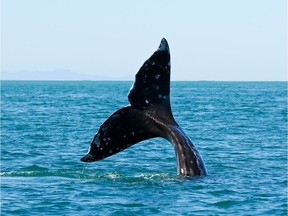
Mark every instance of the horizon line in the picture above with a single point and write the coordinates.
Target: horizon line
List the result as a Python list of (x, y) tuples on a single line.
[(108, 80)]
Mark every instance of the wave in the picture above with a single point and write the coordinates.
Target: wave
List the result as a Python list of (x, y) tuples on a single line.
[(38, 171)]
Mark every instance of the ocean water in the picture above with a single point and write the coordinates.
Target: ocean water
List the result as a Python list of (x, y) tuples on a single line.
[(239, 128)]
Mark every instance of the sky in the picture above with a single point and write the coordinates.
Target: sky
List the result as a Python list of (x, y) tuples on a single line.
[(223, 40)]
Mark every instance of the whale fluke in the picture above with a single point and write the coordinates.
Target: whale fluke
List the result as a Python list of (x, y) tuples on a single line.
[(147, 116), (152, 82)]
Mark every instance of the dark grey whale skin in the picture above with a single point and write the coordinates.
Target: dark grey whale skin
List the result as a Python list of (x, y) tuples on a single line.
[(147, 116)]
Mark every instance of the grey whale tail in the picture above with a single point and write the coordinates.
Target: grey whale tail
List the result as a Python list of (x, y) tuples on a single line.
[(147, 116)]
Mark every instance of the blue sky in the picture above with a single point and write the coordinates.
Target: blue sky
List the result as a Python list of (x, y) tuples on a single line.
[(209, 40)]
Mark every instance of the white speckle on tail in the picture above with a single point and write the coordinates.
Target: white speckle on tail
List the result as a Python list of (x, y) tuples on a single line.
[(110, 151), (153, 63), (182, 170), (132, 133), (146, 101), (157, 76), (97, 141)]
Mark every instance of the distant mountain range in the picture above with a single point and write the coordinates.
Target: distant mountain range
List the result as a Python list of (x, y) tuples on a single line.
[(58, 74)]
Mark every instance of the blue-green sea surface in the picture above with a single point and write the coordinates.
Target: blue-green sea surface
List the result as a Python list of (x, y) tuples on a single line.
[(239, 128)]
